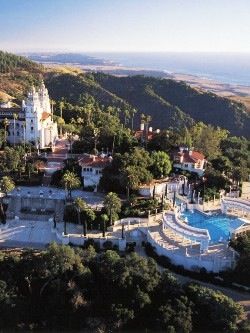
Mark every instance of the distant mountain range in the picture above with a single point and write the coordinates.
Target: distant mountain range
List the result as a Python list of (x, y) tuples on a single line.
[(67, 58), (170, 103)]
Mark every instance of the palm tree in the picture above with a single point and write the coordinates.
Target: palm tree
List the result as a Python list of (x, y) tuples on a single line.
[(5, 124), (80, 206), (126, 117), (53, 103), (132, 114), (86, 212), (145, 119), (112, 204), (96, 132), (15, 117), (61, 106), (70, 181), (104, 219)]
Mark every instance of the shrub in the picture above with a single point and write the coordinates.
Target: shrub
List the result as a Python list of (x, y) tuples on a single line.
[(90, 242), (130, 246), (108, 245)]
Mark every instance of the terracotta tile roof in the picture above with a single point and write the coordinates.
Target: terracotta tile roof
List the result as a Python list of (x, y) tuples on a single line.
[(45, 115), (191, 156), (197, 155), (94, 161)]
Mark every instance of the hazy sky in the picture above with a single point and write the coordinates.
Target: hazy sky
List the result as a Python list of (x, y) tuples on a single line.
[(125, 25)]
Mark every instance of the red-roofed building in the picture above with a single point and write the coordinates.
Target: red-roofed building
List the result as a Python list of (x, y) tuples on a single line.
[(190, 160), (92, 166)]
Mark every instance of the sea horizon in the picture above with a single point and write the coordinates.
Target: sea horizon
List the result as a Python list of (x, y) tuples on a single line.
[(227, 68)]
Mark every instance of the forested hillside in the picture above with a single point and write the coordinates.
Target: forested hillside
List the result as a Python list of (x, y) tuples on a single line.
[(17, 74), (169, 103), (200, 106)]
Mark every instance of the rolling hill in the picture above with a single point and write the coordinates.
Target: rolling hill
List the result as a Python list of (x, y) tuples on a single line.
[(17, 74), (170, 103)]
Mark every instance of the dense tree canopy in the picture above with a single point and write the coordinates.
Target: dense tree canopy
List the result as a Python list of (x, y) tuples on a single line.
[(64, 288), (161, 164), (241, 244)]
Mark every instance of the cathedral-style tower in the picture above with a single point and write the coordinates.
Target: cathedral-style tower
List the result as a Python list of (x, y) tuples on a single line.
[(40, 127), (32, 110), (44, 98), (33, 122)]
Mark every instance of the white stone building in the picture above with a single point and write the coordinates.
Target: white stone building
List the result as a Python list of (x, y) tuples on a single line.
[(189, 160), (33, 121), (92, 166)]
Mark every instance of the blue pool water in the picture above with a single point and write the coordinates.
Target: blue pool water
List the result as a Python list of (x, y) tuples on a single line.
[(219, 226)]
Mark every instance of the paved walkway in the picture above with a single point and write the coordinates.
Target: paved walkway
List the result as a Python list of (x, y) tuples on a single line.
[(55, 160), (18, 233)]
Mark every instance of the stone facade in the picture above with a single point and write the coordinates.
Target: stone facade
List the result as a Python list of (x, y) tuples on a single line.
[(33, 121)]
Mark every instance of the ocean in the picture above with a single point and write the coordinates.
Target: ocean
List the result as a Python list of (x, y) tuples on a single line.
[(229, 68)]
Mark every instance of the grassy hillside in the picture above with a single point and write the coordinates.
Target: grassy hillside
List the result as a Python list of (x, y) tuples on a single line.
[(17, 74)]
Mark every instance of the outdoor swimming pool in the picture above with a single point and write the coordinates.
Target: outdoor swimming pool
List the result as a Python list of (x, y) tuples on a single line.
[(219, 226)]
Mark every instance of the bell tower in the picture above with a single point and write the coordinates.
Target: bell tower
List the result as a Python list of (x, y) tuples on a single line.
[(32, 111)]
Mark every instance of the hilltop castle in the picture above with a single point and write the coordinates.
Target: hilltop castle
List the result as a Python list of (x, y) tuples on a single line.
[(33, 121)]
